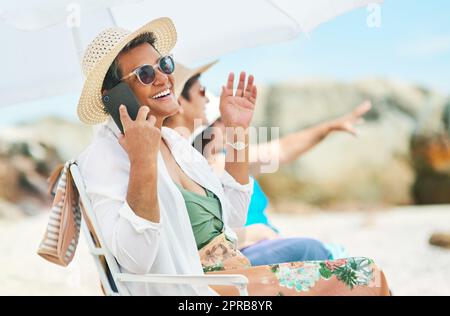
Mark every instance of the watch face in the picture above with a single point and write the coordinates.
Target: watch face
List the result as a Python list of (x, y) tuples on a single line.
[(238, 145)]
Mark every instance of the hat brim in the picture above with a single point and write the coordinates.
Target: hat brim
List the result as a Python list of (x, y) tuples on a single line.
[(90, 106), (179, 84)]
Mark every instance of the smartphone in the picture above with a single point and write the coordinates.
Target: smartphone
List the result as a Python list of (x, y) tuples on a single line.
[(120, 94)]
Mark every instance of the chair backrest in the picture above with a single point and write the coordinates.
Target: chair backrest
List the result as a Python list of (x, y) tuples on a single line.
[(105, 262)]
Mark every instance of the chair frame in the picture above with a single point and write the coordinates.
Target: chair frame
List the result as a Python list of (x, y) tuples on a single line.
[(237, 280)]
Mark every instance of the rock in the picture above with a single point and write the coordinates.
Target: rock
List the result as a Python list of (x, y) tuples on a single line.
[(375, 168), (46, 134), (446, 117), (430, 153), (28, 154), (440, 240), (22, 176), (9, 181), (431, 157)]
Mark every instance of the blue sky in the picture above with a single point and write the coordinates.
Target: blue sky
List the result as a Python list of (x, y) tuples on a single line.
[(412, 44)]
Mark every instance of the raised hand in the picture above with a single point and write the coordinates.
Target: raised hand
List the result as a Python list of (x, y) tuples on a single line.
[(237, 108), (141, 139), (347, 122)]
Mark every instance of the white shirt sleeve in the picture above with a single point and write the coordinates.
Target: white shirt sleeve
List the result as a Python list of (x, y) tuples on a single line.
[(239, 197), (132, 240)]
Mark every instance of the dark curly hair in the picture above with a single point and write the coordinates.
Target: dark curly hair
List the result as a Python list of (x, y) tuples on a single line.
[(114, 73)]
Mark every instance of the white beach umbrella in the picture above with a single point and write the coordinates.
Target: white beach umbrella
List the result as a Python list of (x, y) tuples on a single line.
[(43, 39), (208, 29)]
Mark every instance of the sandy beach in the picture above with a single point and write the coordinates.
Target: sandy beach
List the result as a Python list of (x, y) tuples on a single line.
[(397, 239)]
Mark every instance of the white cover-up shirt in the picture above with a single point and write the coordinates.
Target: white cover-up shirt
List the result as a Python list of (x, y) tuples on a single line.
[(141, 246)]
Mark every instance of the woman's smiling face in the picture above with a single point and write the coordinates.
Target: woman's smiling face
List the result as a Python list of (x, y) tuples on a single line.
[(147, 94)]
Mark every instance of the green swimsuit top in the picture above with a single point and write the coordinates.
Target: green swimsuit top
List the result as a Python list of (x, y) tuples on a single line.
[(205, 214)]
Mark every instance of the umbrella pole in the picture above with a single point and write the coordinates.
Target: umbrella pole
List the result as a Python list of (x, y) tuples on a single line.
[(111, 15), (77, 37)]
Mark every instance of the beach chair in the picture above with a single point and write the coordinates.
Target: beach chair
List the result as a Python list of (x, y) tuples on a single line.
[(112, 280)]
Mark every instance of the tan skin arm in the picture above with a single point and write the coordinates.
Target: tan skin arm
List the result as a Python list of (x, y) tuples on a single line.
[(291, 147), (237, 112), (141, 141)]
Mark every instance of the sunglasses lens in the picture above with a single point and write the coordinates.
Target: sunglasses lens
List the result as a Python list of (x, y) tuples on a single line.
[(146, 74), (167, 65)]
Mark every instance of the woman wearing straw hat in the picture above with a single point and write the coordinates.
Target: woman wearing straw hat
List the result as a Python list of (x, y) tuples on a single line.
[(134, 179), (151, 191)]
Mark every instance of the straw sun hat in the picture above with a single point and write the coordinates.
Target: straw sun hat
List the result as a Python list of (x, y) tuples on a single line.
[(182, 74), (101, 53)]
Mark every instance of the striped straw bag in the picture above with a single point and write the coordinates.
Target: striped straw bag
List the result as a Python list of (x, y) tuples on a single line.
[(63, 229)]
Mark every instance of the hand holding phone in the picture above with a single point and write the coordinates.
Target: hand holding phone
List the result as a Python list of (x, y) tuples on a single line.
[(121, 94), (142, 138)]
